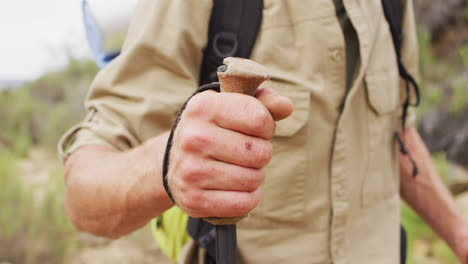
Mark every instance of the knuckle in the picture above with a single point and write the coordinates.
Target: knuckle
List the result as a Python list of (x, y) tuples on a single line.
[(242, 206), (192, 172), (254, 179), (263, 153), (260, 119), (271, 130), (194, 139), (246, 203), (255, 198), (192, 200), (198, 105), (262, 123)]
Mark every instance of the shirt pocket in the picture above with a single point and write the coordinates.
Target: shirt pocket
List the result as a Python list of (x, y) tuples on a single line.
[(301, 100), (382, 91), (381, 178), (283, 190)]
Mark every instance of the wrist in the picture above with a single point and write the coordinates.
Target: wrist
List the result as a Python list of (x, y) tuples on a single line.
[(153, 152)]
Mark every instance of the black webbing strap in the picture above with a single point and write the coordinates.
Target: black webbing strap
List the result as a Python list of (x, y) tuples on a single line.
[(393, 11), (232, 32), (167, 152), (201, 231), (403, 244), (404, 151), (233, 29), (394, 14)]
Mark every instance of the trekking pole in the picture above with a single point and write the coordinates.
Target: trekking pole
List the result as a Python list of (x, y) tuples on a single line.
[(235, 76)]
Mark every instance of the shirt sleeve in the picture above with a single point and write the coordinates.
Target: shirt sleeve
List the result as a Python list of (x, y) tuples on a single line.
[(137, 96), (409, 56)]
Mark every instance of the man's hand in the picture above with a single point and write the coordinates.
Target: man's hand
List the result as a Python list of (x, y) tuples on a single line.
[(220, 149)]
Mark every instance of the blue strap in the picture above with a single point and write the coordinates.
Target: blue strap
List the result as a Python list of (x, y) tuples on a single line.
[(94, 36)]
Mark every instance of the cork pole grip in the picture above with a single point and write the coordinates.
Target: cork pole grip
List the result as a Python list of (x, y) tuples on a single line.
[(238, 76)]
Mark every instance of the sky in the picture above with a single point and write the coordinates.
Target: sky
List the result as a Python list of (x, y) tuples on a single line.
[(36, 36)]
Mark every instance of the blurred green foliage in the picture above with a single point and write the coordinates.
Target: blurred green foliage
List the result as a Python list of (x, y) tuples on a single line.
[(427, 59), (40, 111), (33, 224), (443, 80), (460, 96), (432, 94)]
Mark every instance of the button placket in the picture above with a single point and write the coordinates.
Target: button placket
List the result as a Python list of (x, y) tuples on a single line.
[(340, 205)]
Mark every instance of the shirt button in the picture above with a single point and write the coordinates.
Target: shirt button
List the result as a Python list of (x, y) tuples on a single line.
[(336, 56), (340, 193)]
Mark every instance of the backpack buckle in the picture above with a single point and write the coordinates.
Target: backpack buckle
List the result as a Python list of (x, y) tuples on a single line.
[(225, 44)]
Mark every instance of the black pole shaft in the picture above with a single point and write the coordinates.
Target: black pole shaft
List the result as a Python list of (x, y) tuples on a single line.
[(226, 244)]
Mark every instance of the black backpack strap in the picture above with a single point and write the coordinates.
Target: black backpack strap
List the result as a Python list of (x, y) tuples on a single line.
[(233, 29), (232, 32), (394, 14), (403, 245)]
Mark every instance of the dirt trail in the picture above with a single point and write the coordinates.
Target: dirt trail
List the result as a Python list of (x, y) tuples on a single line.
[(138, 247)]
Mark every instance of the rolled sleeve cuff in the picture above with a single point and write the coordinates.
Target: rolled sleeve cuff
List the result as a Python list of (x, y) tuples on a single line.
[(93, 130)]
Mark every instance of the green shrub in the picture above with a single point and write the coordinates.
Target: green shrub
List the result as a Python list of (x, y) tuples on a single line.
[(16, 108), (427, 59), (460, 96), (40, 111), (33, 227), (33, 224)]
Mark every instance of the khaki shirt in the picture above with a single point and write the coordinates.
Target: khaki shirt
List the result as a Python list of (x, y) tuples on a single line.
[(331, 191)]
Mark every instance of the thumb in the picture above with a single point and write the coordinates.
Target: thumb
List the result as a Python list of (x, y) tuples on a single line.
[(279, 106)]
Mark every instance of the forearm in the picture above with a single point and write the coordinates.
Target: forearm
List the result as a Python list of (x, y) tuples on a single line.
[(426, 193), (111, 193)]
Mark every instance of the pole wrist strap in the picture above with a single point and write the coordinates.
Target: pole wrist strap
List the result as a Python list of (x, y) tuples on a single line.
[(212, 86)]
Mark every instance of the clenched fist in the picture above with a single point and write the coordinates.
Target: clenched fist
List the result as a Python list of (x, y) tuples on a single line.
[(220, 149)]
